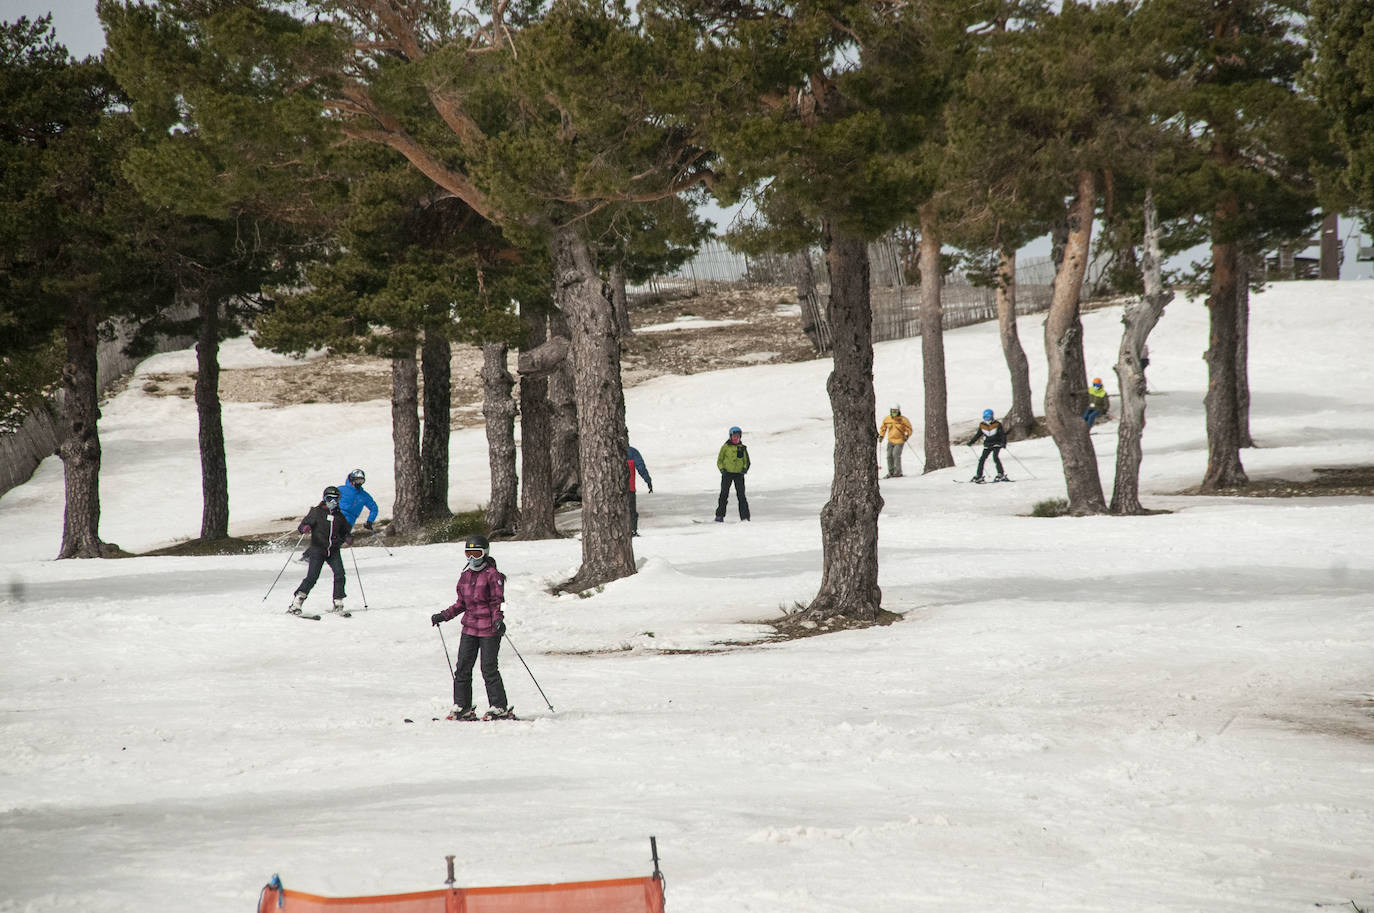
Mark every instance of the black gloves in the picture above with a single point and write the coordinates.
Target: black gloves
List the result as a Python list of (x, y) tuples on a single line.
[(436, 618), (651, 488), (368, 525), (501, 628)]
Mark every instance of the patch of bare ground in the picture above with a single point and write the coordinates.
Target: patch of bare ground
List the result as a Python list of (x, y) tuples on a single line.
[(795, 626), (768, 331), (1353, 718), (1326, 482)]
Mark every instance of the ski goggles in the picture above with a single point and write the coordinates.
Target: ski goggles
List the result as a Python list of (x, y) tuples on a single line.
[(475, 552), (332, 502)]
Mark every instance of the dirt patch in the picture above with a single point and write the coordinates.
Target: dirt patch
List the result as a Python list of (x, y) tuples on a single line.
[(1328, 482), (769, 332)]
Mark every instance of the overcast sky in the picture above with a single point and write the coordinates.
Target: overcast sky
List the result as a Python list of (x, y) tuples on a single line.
[(78, 28)]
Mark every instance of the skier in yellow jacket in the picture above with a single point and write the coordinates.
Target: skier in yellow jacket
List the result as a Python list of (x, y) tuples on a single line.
[(896, 429)]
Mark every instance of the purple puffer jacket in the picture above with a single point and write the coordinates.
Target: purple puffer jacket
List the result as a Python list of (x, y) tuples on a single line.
[(480, 594)]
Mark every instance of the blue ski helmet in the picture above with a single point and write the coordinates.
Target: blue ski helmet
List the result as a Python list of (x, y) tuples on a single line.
[(987, 415), (734, 429)]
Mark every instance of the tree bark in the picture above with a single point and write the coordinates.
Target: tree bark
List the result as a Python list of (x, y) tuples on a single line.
[(567, 461), (1139, 319), (1224, 469), (938, 455), (849, 520), (536, 433), (1243, 261), (607, 552), (807, 297), (80, 449), (214, 471), (405, 444), (1064, 352), (1020, 418), (435, 363), (620, 301), (498, 409)]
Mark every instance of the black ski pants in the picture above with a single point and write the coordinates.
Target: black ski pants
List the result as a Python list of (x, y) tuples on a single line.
[(726, 480), (469, 646), (317, 562), (995, 459), (634, 515)]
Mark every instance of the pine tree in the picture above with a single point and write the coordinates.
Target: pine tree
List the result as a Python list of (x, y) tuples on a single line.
[(75, 246), (1342, 76)]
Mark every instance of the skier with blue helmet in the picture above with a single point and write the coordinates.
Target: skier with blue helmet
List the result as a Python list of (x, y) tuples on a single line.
[(994, 438)]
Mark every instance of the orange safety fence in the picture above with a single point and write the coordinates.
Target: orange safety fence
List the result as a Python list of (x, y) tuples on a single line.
[(622, 895)]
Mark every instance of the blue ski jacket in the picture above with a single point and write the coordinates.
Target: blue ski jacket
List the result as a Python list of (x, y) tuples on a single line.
[(353, 500)]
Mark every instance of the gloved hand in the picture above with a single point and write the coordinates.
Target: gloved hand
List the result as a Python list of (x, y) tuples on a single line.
[(303, 528), (651, 488), (368, 525), (501, 628), (348, 540), (436, 618)]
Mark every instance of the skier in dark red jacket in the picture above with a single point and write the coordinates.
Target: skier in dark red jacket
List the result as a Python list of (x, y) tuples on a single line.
[(481, 590)]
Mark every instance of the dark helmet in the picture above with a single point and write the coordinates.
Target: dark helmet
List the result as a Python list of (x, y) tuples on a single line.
[(475, 543), (357, 477), (331, 494)]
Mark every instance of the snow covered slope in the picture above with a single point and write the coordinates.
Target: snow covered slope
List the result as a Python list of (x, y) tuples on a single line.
[(1168, 713)]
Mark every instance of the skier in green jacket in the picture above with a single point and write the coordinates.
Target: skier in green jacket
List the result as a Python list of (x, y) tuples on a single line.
[(733, 463)]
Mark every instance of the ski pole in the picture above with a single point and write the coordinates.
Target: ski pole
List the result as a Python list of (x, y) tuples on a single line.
[(283, 568), (451, 673), (527, 669), (1022, 465), (358, 574)]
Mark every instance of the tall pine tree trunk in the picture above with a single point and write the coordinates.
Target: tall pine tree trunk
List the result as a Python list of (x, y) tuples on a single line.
[(1139, 319), (435, 363), (80, 449), (214, 471), (536, 439), (1020, 418), (567, 461), (849, 520), (1064, 352), (1243, 261), (938, 455), (1222, 400), (620, 301), (498, 409), (405, 443), (607, 553)]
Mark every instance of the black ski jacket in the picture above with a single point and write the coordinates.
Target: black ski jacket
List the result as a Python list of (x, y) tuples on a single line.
[(327, 529), (992, 433)]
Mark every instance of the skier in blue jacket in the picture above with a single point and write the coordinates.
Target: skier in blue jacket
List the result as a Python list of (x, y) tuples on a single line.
[(635, 463), (352, 499)]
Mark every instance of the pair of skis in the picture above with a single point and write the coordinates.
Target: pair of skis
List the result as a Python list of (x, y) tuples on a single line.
[(299, 614)]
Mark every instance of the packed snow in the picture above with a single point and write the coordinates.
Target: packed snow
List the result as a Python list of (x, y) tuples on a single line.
[(1162, 713)]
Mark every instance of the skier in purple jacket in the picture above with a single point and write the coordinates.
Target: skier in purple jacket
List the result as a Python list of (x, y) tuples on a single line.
[(481, 590)]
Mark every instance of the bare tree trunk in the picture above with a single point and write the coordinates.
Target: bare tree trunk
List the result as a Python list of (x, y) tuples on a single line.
[(1139, 318), (536, 437), (607, 552), (436, 364), (1223, 432), (80, 449), (498, 408), (620, 302), (849, 520), (1020, 418), (1064, 351), (405, 444), (214, 471), (805, 278), (567, 462), (1243, 261), (938, 455)]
